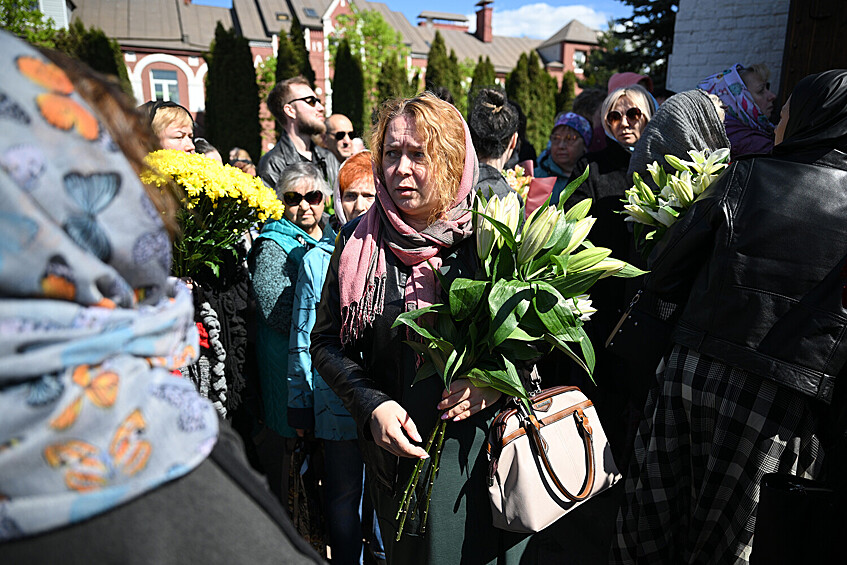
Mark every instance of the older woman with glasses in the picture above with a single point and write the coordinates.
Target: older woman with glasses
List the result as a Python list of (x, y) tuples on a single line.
[(569, 139), (274, 262)]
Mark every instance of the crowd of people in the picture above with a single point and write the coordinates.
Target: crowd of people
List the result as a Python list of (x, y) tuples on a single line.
[(107, 455)]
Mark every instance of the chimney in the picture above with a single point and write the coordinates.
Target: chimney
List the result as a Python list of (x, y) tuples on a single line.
[(483, 21)]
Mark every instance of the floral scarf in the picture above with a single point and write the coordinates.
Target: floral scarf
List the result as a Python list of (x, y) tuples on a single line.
[(362, 267), (730, 88), (90, 324)]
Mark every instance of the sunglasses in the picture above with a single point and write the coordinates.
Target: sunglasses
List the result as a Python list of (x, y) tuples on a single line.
[(310, 100), (339, 135), (632, 115), (292, 198)]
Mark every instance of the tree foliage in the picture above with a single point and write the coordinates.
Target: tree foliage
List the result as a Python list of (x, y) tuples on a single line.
[(639, 43), (535, 90), (483, 76), (348, 86), (392, 82), (564, 100), (374, 43), (232, 94), (301, 54), (22, 18), (94, 48)]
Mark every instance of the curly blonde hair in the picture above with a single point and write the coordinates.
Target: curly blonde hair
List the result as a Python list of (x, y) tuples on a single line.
[(441, 131)]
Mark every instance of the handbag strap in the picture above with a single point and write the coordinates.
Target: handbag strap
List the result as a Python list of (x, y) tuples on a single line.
[(534, 432)]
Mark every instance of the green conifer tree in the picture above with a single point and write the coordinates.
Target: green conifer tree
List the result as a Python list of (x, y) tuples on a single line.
[(348, 87), (298, 41), (542, 101), (438, 64), (232, 95), (483, 77), (392, 81), (94, 48), (564, 100)]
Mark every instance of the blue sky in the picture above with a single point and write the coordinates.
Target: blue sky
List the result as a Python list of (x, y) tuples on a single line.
[(539, 19)]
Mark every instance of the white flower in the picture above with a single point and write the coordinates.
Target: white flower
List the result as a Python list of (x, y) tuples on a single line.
[(581, 307), (536, 234)]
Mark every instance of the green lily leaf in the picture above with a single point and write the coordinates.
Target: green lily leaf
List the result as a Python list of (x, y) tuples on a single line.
[(507, 303), (574, 284), (560, 264), (417, 347), (553, 310), (415, 314), (630, 271), (465, 295), (519, 350), (562, 346), (521, 334), (587, 350), (504, 265), (425, 371), (571, 188)]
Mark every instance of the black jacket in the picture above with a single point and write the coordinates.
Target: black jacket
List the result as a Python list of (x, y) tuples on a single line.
[(284, 155), (379, 366), (759, 261), (491, 182)]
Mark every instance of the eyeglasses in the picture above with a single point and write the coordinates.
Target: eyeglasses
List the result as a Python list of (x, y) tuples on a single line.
[(234, 161), (339, 135), (632, 115), (311, 100), (569, 138), (292, 198)]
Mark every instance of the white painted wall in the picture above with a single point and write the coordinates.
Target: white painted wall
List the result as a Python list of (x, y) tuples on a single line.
[(58, 10), (712, 35)]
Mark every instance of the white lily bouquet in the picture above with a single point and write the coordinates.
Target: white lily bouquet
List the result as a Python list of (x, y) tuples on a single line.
[(654, 212), (528, 295)]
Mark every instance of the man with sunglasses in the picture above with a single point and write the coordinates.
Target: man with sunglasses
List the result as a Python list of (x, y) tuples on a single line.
[(339, 136), (300, 113)]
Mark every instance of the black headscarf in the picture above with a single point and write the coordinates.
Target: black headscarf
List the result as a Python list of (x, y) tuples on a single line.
[(817, 114), (685, 121)]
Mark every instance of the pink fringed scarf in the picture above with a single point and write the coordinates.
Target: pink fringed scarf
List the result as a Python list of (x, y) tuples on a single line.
[(361, 271)]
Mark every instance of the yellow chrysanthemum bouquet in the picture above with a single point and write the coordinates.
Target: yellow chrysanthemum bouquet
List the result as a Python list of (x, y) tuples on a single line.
[(219, 204)]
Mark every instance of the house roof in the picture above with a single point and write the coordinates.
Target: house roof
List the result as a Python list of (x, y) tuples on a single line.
[(443, 16), (154, 23), (310, 12), (503, 51), (573, 32), (258, 19)]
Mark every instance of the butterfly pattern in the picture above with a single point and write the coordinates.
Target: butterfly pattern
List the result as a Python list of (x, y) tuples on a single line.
[(99, 386), (25, 164), (46, 390), (56, 106), (92, 193), (87, 467), (80, 431), (191, 407), (11, 110)]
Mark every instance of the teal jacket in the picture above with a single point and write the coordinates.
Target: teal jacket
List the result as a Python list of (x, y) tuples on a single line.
[(311, 403), (274, 262)]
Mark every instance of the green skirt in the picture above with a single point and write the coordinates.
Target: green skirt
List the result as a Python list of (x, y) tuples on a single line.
[(458, 528)]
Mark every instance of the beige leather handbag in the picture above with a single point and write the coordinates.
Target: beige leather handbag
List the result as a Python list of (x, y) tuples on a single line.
[(545, 463)]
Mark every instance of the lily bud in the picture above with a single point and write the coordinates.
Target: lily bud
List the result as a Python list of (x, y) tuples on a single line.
[(510, 211), (485, 234), (587, 258), (658, 174), (609, 267), (683, 189), (676, 163), (580, 232), (536, 236), (579, 210), (644, 191)]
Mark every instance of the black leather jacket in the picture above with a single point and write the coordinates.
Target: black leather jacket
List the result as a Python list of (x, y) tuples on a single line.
[(379, 366), (283, 155), (759, 261)]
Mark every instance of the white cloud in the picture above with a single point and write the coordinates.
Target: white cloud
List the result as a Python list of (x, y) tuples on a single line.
[(541, 20)]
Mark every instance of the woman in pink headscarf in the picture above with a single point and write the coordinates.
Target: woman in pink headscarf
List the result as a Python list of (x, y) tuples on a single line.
[(425, 170)]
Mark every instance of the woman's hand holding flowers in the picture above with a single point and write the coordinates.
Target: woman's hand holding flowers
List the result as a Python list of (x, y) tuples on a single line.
[(463, 399)]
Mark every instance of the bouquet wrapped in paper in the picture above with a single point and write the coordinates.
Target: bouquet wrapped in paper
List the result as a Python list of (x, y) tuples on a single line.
[(654, 212), (518, 180), (529, 295), (219, 204)]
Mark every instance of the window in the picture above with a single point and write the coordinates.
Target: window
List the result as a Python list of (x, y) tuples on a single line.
[(579, 58), (164, 85), (310, 13), (281, 17)]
